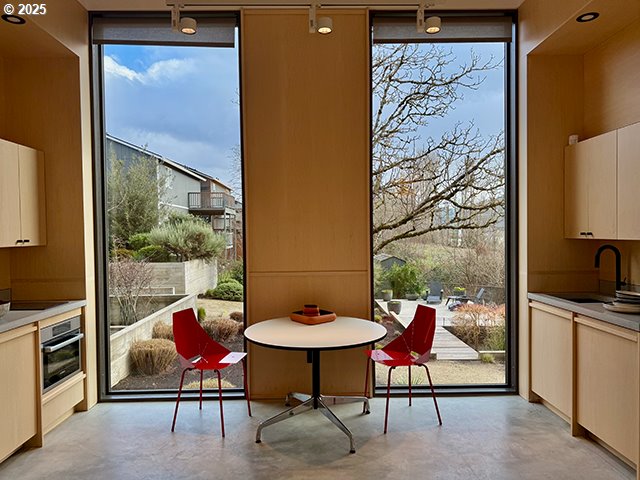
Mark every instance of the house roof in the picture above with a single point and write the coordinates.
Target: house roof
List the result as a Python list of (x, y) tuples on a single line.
[(209, 177), (381, 257), (175, 165)]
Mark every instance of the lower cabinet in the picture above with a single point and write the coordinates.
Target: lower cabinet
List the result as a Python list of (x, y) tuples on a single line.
[(587, 371), (607, 384), (19, 393), (551, 360)]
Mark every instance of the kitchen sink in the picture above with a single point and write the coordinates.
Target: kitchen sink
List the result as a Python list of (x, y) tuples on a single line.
[(584, 300)]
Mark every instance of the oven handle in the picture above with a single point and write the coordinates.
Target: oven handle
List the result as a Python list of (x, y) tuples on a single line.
[(58, 346)]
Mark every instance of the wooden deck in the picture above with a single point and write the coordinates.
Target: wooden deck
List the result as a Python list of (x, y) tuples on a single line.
[(446, 346)]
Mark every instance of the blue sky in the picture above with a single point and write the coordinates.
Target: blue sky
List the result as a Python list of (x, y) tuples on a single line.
[(182, 102)]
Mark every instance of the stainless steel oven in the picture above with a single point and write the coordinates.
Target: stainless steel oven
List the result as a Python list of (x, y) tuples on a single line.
[(60, 351)]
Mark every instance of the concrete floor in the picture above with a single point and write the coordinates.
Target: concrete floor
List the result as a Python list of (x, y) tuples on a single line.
[(482, 438)]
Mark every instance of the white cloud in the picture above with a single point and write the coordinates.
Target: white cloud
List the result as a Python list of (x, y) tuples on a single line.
[(158, 72)]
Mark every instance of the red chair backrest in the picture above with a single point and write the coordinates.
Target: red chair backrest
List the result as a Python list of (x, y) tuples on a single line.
[(191, 339), (418, 336)]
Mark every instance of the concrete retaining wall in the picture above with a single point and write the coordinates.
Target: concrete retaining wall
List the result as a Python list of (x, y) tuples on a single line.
[(121, 340), (194, 276)]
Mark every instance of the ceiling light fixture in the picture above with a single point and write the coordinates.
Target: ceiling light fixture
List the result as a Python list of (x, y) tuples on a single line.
[(431, 25), (16, 20), (186, 25), (587, 17), (323, 25)]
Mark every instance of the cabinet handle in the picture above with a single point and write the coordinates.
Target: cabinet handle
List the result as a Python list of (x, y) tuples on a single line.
[(583, 233), (18, 242), (26, 240)]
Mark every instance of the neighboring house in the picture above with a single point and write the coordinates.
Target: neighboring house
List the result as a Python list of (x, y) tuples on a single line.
[(388, 261), (190, 191), (214, 202), (181, 180)]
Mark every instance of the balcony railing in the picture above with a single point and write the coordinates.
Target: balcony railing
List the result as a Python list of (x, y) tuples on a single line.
[(210, 200)]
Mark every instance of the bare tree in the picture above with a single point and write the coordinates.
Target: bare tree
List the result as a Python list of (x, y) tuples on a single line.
[(423, 185)]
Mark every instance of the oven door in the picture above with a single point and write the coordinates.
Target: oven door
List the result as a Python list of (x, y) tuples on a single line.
[(60, 358)]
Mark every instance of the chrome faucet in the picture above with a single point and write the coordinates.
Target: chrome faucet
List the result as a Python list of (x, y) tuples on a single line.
[(619, 283)]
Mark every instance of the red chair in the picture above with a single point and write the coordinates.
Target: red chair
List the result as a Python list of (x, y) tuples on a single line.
[(198, 351), (412, 348)]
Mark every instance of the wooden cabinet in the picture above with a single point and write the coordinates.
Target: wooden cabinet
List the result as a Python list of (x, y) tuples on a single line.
[(607, 384), (590, 188), (587, 371), (551, 357), (22, 196), (19, 393), (628, 181)]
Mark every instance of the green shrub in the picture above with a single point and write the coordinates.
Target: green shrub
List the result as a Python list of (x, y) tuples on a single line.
[(162, 330), (153, 253), (202, 314), (188, 238), (235, 270), (496, 338), (487, 358), (222, 329), (231, 291), (405, 279), (151, 357), (138, 241)]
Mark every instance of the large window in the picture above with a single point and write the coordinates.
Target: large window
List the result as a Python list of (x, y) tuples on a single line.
[(442, 233), (170, 176)]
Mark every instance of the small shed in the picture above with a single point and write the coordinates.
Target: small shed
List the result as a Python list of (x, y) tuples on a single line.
[(388, 261)]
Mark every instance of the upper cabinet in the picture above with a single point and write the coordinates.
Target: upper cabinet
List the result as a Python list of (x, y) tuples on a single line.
[(590, 188), (601, 178), (22, 196), (628, 182)]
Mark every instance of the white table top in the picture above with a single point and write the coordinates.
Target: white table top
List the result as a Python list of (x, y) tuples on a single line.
[(343, 332)]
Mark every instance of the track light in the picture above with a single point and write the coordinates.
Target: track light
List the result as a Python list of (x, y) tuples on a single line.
[(186, 25), (432, 25), (323, 25)]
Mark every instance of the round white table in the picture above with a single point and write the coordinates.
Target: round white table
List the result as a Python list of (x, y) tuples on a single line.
[(343, 332)]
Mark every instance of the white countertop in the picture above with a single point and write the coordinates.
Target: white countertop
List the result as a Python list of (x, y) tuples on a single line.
[(18, 318)]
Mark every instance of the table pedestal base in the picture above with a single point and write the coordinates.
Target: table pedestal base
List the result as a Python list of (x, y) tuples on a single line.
[(315, 403)]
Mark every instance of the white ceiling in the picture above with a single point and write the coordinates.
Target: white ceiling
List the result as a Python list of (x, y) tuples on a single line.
[(159, 5)]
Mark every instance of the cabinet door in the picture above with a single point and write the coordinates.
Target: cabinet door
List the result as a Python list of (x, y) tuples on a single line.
[(628, 181), (576, 198), (9, 194), (32, 206), (607, 384), (602, 161), (18, 395), (551, 356)]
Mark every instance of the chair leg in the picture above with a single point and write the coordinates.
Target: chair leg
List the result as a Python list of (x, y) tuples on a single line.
[(246, 385), (386, 410), (201, 374), (409, 367), (366, 386), (433, 393), (220, 399), (175, 413)]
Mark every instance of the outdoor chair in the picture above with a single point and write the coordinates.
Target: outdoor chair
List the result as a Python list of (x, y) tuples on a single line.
[(435, 293), (478, 299), (198, 351), (412, 348)]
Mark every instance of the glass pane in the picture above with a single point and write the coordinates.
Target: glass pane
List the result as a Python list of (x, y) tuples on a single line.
[(439, 203), (174, 218)]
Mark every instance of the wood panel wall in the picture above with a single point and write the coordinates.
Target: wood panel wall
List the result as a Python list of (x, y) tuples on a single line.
[(5, 255), (307, 185)]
